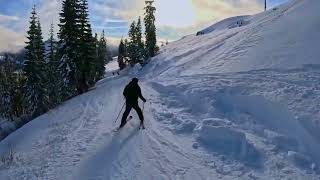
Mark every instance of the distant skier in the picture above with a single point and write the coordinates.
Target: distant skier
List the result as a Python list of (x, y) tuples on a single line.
[(132, 92)]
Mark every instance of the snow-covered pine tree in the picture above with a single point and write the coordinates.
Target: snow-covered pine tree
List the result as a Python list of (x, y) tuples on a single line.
[(132, 46), (126, 47), (34, 69), (5, 87), (69, 46), (96, 45), (102, 56), (86, 64), (122, 55), (11, 90), (150, 29), (54, 77), (139, 42)]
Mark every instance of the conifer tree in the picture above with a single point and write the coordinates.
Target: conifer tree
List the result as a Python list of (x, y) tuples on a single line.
[(150, 29), (54, 76), (122, 55), (69, 47), (102, 56), (139, 42), (132, 46), (34, 68), (126, 47), (86, 64), (5, 87)]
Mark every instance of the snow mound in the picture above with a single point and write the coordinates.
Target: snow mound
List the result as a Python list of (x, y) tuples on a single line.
[(276, 39), (228, 23), (299, 159), (282, 142), (186, 127), (215, 136)]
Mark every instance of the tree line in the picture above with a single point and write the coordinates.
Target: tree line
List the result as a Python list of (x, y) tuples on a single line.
[(138, 49), (55, 70)]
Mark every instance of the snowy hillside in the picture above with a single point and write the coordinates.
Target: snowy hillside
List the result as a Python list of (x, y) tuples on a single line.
[(238, 102)]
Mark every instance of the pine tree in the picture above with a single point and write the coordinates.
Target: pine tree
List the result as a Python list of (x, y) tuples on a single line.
[(11, 90), (102, 56), (54, 76), (34, 68), (87, 65), (69, 47), (132, 46), (5, 87), (122, 55), (150, 29), (126, 47), (139, 42)]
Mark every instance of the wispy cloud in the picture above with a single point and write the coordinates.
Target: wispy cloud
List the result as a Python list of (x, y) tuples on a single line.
[(214, 10), (6, 18), (175, 18), (10, 41)]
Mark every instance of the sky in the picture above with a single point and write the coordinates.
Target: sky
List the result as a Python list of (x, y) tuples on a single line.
[(174, 18)]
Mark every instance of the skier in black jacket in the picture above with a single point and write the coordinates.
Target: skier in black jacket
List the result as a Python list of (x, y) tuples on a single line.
[(132, 92)]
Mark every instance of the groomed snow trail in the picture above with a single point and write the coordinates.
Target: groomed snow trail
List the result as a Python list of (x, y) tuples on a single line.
[(132, 153), (76, 141)]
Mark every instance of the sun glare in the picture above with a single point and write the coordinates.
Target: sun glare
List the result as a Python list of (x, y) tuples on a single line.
[(176, 13)]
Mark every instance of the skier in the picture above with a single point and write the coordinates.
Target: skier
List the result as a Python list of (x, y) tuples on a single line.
[(132, 92)]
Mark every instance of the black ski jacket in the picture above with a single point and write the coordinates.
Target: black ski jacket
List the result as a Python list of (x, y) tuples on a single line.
[(132, 92)]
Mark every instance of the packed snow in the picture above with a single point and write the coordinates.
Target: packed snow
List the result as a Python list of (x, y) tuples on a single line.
[(237, 102)]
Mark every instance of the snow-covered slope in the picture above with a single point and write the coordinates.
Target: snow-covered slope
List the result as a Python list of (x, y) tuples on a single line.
[(285, 37), (233, 103), (229, 23)]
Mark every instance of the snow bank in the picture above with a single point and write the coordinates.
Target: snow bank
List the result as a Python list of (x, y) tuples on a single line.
[(300, 160), (218, 136), (281, 142), (226, 24), (186, 127)]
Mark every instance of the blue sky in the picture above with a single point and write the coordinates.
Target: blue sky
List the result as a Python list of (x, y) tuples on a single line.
[(175, 18)]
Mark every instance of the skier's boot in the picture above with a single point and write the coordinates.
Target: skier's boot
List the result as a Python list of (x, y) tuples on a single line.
[(142, 126)]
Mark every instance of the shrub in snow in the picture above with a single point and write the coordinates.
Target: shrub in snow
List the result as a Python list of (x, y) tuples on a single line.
[(227, 140), (6, 127), (195, 145), (8, 158)]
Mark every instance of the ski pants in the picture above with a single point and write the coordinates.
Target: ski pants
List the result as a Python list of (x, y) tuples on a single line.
[(129, 106)]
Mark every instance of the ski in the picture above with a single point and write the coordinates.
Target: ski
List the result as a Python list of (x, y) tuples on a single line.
[(118, 128)]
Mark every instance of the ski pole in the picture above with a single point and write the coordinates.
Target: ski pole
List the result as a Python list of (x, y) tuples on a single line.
[(120, 112), (143, 106)]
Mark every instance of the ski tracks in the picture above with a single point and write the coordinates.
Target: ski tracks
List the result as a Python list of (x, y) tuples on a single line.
[(138, 154)]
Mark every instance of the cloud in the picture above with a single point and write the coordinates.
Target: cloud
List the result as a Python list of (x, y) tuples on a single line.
[(48, 12), (10, 41), (206, 12), (6, 18), (214, 10), (175, 18)]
